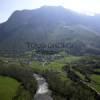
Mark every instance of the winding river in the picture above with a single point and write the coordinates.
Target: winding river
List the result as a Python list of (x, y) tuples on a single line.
[(43, 92)]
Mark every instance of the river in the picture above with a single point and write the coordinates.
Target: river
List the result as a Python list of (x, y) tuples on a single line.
[(43, 92)]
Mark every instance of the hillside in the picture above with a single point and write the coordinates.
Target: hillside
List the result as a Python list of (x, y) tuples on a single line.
[(47, 24)]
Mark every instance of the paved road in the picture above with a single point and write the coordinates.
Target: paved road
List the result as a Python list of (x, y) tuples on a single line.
[(43, 93)]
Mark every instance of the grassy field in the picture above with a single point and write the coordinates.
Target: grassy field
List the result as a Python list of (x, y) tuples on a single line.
[(55, 65), (95, 82), (8, 88), (97, 70)]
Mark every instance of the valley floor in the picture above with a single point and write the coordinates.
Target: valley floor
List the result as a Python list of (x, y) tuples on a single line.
[(62, 76)]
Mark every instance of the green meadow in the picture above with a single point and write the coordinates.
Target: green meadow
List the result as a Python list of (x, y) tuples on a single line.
[(95, 82), (8, 88), (56, 65)]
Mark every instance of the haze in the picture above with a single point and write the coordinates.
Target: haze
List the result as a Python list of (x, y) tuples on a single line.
[(7, 7)]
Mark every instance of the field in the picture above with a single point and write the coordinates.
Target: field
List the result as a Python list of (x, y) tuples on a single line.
[(66, 70), (20, 71), (95, 82), (55, 65), (8, 88)]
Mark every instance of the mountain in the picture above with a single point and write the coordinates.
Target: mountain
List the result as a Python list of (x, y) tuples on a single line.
[(50, 24)]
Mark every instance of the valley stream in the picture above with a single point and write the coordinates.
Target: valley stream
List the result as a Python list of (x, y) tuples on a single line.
[(43, 92)]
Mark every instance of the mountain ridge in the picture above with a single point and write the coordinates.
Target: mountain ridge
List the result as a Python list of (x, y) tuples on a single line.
[(51, 24)]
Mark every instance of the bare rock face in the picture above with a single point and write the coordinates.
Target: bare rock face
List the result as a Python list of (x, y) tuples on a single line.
[(43, 93)]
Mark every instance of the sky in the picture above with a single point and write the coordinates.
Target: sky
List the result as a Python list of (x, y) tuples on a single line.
[(7, 7)]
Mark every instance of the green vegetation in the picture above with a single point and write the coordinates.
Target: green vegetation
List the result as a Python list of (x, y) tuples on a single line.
[(68, 71), (82, 77), (24, 75), (95, 82), (23, 94), (76, 70), (86, 69), (8, 88), (22, 40), (97, 70), (79, 39), (63, 88), (55, 65)]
